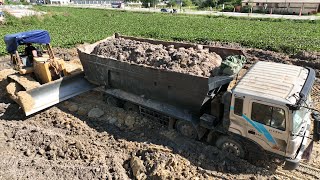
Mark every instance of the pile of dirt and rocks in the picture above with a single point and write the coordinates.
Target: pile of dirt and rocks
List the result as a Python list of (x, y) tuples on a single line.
[(196, 61), (107, 142)]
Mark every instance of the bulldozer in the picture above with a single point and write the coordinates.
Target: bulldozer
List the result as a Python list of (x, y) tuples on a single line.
[(40, 79)]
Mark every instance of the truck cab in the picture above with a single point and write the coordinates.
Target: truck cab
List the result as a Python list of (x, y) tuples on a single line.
[(266, 108)]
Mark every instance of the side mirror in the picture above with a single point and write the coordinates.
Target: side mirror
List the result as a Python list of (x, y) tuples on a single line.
[(316, 126)]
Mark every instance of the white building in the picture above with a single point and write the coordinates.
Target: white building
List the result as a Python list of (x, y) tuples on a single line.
[(59, 1), (284, 6)]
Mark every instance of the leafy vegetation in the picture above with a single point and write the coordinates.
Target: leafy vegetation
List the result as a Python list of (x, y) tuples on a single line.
[(186, 3), (217, 4), (71, 26)]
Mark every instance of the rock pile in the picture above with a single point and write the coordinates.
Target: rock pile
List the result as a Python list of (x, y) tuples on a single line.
[(195, 61)]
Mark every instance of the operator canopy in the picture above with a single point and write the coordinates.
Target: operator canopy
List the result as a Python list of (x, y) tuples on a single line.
[(35, 36)]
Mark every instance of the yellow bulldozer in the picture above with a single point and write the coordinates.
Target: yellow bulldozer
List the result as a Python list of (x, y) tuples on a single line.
[(41, 79)]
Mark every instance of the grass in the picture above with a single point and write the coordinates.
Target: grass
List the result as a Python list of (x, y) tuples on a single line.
[(71, 26)]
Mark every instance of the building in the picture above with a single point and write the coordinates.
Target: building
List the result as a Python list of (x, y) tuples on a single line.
[(284, 6), (59, 1)]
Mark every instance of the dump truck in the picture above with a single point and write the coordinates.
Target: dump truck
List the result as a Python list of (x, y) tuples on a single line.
[(41, 79), (263, 110)]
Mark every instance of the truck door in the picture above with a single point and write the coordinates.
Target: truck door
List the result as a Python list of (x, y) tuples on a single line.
[(238, 124), (267, 126)]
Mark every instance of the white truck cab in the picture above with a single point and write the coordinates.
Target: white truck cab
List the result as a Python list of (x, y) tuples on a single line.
[(265, 108)]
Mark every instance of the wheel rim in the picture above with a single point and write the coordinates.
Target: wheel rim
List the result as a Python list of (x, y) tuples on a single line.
[(187, 130), (231, 148)]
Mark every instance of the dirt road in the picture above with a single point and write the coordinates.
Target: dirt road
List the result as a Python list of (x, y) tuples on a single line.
[(83, 138)]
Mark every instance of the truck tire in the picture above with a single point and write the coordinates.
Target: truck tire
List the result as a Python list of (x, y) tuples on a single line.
[(128, 106), (186, 128), (112, 101), (230, 146)]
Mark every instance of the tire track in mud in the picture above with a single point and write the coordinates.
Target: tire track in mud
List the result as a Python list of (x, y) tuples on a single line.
[(285, 175), (306, 169), (303, 171)]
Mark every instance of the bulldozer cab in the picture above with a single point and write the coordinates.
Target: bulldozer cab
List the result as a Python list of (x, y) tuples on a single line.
[(37, 58), (25, 54)]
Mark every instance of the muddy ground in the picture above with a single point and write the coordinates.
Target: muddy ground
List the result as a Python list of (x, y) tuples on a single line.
[(83, 138)]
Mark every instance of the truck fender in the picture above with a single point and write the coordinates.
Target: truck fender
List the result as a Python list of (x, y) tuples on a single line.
[(235, 131), (253, 150)]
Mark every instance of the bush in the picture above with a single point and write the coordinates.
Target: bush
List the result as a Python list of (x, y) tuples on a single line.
[(245, 9), (172, 3), (228, 8), (186, 3), (146, 2), (209, 3), (261, 11), (197, 2)]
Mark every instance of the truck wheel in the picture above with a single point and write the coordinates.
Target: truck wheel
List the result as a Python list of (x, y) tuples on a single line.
[(131, 107), (187, 129), (231, 146), (112, 101)]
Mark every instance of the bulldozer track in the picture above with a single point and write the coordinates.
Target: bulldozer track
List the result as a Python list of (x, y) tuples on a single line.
[(307, 169)]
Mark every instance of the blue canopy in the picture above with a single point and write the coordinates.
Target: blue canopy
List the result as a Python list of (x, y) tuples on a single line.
[(36, 36)]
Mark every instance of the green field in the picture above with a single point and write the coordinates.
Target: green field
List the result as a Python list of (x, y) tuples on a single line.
[(71, 26)]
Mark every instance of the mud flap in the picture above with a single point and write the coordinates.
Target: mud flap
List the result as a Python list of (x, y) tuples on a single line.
[(316, 126), (57, 91), (307, 153)]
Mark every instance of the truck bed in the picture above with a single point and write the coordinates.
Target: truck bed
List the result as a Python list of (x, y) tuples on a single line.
[(182, 90)]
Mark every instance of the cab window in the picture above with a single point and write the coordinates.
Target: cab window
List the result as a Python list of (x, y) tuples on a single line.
[(238, 106), (268, 115)]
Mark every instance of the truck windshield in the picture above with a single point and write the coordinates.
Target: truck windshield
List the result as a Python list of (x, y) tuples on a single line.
[(298, 117)]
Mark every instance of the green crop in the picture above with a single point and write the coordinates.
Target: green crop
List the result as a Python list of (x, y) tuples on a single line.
[(71, 26)]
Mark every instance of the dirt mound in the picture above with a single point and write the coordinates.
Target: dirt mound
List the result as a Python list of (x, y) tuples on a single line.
[(195, 61), (5, 72), (59, 145), (26, 100)]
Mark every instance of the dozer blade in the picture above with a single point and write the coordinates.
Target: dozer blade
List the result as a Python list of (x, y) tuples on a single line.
[(57, 91)]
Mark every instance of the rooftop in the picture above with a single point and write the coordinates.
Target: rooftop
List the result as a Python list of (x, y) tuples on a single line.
[(274, 81), (281, 1)]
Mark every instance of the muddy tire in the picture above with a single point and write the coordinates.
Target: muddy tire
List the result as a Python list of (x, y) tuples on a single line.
[(112, 101), (128, 106), (187, 129), (230, 146)]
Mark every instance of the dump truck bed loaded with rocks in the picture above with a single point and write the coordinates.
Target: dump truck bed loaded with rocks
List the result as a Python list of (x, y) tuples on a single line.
[(185, 86), (156, 74)]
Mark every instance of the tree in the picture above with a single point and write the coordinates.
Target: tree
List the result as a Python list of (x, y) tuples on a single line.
[(230, 2), (197, 2), (209, 3), (172, 3), (186, 3), (145, 3)]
